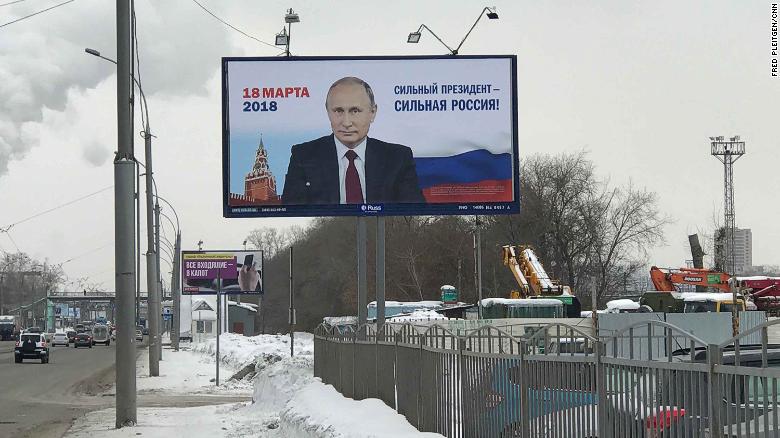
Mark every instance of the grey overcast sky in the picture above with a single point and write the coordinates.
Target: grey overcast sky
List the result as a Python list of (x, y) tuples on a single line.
[(639, 85)]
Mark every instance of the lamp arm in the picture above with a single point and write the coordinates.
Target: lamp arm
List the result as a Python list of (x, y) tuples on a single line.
[(455, 52), (422, 26)]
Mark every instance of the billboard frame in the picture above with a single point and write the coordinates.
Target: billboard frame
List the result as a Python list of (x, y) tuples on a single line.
[(221, 291), (373, 209)]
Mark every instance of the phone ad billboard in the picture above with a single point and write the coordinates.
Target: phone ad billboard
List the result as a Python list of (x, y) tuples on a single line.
[(224, 272), (360, 136)]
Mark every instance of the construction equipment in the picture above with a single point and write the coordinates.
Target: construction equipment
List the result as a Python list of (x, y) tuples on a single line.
[(533, 280), (666, 279), (764, 291)]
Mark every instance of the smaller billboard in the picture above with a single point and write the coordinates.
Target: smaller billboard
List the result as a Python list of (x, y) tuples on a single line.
[(225, 272)]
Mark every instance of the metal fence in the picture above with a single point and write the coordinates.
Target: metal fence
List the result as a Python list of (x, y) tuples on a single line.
[(650, 379)]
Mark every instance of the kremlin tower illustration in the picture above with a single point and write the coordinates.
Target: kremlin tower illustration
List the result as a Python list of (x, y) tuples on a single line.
[(259, 183)]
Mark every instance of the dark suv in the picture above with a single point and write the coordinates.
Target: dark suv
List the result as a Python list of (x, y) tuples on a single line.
[(31, 346)]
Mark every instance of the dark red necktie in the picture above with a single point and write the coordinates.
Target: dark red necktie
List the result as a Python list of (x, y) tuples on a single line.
[(352, 181)]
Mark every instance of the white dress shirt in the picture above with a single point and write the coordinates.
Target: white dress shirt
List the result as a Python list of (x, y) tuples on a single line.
[(360, 164)]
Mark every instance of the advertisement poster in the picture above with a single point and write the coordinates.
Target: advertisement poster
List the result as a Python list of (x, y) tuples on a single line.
[(229, 272), (312, 136)]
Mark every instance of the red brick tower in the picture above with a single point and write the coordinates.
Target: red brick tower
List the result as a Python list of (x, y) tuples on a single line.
[(260, 184)]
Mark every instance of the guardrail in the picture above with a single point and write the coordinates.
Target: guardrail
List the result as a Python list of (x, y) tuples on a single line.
[(650, 379)]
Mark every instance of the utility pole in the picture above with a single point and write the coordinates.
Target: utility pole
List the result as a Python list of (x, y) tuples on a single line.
[(124, 167), (159, 291), (152, 303)]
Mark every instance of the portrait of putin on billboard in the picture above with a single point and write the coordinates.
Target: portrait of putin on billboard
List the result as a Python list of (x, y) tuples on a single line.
[(312, 137)]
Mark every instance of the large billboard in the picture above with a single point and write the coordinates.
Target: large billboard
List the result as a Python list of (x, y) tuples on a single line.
[(226, 272), (356, 136)]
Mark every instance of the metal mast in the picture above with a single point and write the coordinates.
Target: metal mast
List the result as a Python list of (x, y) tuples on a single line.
[(728, 152)]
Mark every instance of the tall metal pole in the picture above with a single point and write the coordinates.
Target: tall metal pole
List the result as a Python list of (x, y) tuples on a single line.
[(362, 301), (478, 263), (219, 318), (158, 293), (728, 152), (138, 243), (380, 273), (152, 303), (291, 317), (176, 332), (124, 167)]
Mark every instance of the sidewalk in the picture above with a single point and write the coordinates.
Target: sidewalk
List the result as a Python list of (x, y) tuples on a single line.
[(182, 401)]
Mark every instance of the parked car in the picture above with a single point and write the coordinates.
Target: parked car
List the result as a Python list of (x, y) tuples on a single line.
[(83, 340), (31, 346), (71, 335), (742, 404), (100, 335), (60, 338), (139, 335), (495, 396)]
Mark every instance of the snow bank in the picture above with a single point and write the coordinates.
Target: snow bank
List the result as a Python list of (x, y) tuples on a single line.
[(318, 410), (239, 350), (418, 315), (286, 387)]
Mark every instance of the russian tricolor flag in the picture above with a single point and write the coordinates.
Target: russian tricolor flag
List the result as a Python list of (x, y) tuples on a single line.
[(473, 176)]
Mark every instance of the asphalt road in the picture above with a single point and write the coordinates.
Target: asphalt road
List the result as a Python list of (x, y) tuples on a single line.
[(43, 399)]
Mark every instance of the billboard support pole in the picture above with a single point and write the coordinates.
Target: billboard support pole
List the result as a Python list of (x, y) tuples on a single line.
[(478, 261), (176, 332), (380, 273), (291, 316), (219, 318), (362, 301)]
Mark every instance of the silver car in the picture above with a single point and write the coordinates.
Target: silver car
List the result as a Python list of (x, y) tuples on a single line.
[(60, 338)]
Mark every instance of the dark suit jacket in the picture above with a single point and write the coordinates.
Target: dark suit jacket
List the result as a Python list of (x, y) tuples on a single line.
[(313, 173)]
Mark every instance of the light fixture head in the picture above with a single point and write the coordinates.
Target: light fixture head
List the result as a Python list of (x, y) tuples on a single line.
[(492, 14), (92, 52), (291, 17), (414, 38), (281, 38)]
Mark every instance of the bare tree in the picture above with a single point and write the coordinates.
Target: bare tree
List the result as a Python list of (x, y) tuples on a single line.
[(631, 222), (271, 240)]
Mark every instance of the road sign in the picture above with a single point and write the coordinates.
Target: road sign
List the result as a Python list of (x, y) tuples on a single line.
[(167, 317), (203, 306)]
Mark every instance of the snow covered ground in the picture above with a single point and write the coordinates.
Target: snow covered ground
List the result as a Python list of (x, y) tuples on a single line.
[(287, 401)]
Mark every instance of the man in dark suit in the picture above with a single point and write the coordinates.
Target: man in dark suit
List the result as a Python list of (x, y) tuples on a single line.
[(348, 167)]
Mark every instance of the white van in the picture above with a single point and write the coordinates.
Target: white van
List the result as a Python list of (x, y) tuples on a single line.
[(100, 335)]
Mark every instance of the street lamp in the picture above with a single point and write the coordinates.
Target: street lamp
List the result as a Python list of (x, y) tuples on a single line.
[(283, 37), (138, 165), (414, 37), (152, 261)]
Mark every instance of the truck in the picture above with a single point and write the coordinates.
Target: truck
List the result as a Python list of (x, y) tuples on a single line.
[(8, 327), (533, 281), (762, 291)]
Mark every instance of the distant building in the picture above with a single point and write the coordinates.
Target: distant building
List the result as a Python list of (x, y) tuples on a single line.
[(743, 251), (260, 183)]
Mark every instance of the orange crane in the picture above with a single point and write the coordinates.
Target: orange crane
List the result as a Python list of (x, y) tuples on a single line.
[(665, 279)]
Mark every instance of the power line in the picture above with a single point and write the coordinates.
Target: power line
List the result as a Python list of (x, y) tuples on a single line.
[(233, 27), (36, 13), (85, 253), (5, 229), (10, 3), (11, 239)]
